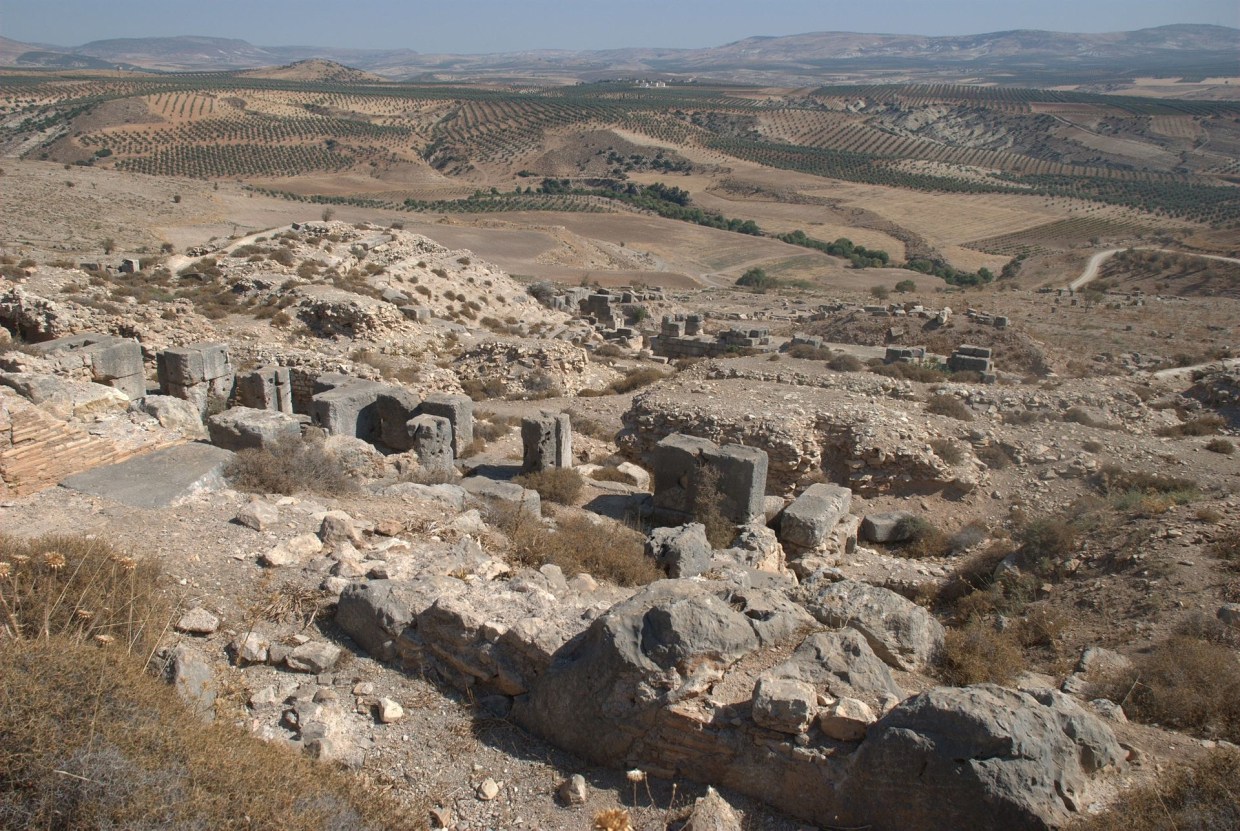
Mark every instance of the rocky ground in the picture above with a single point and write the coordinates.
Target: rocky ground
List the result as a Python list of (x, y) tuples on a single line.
[(259, 579)]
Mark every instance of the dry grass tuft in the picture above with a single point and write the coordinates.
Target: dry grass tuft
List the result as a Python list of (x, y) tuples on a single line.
[(291, 466), (1220, 446), (92, 741), (1204, 797), (1183, 682), (291, 603), (78, 589), (706, 501), (579, 543), (557, 484), (979, 654), (612, 819), (1203, 425), (950, 406)]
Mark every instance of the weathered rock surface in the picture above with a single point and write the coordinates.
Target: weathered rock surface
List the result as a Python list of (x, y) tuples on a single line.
[(976, 757), (900, 632)]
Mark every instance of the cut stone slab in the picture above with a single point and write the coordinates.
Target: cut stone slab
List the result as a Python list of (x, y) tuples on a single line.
[(502, 493), (892, 526), (258, 515), (156, 479), (811, 517), (242, 427)]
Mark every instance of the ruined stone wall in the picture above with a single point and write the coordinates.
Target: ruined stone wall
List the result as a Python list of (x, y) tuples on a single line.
[(37, 449)]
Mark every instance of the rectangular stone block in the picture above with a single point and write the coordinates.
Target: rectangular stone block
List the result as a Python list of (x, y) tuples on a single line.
[(742, 480), (813, 515), (537, 443), (676, 459), (266, 388), (349, 410), (459, 410), (243, 427), (396, 406)]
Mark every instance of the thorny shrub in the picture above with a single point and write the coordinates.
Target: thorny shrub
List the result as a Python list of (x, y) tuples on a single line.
[(579, 543), (292, 465), (1202, 796), (557, 484)]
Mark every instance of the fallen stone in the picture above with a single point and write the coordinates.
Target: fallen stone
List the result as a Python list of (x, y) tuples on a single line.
[(784, 705), (250, 648), (976, 757), (156, 479), (175, 414), (314, 657), (846, 720), (1229, 613), (297, 550), (900, 632), (338, 527), (390, 711), (712, 813), (892, 526), (496, 493), (683, 551), (241, 428), (488, 790), (810, 518), (441, 817), (190, 674), (198, 621), (573, 790), (1097, 661), (258, 515)]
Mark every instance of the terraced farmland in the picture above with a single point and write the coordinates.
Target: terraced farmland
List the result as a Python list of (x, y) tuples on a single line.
[(215, 125)]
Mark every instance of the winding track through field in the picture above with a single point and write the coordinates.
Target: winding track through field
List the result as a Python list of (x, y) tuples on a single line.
[(1095, 262)]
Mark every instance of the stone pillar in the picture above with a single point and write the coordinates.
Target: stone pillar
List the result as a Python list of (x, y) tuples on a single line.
[(266, 388), (195, 372), (459, 410), (431, 437), (547, 442)]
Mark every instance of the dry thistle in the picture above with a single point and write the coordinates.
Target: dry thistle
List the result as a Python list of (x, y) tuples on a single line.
[(20, 559), (82, 614), (54, 560), (104, 640), (5, 569), (126, 563), (613, 819)]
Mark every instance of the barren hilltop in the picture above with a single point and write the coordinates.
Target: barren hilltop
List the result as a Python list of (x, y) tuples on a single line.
[(631, 455)]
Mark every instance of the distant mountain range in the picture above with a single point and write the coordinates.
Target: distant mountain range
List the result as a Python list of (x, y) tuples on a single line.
[(1182, 49)]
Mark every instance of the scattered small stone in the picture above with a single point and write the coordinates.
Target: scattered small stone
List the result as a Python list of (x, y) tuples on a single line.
[(390, 711), (573, 791), (389, 528), (250, 648), (198, 621), (488, 790), (313, 657), (364, 688)]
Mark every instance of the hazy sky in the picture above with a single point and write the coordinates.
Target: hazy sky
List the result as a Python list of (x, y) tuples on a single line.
[(511, 25)]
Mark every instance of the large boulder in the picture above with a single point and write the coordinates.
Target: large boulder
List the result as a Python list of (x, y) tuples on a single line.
[(683, 551), (975, 757), (899, 631), (241, 428), (605, 691), (841, 664)]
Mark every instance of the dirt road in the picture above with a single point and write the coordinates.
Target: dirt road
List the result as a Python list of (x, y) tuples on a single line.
[(1095, 262)]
